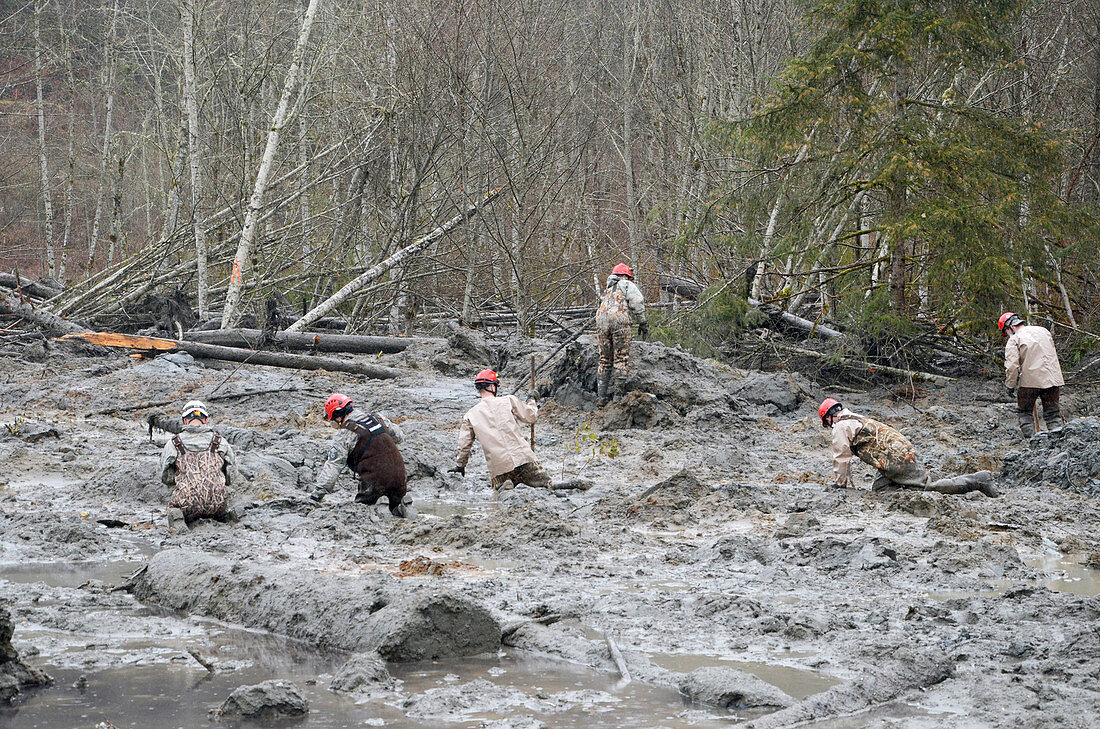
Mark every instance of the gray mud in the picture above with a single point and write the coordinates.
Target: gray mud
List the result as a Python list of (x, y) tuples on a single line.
[(708, 550)]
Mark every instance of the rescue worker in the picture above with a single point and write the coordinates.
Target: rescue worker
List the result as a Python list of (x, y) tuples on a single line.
[(1032, 372), (888, 451), (367, 444), (201, 466), (621, 303), (494, 422)]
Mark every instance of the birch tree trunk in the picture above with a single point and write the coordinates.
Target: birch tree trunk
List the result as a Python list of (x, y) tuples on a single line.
[(47, 201), (105, 154), (190, 102), (381, 268), (631, 42), (70, 183), (242, 259), (114, 234)]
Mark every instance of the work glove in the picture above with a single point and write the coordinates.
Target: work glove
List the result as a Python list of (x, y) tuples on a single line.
[(836, 486), (1011, 391), (460, 470), (643, 331)]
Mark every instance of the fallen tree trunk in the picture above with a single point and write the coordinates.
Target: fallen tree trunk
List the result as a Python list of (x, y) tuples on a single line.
[(871, 367), (352, 344), (682, 287), (234, 354), (894, 679), (34, 288), (10, 304), (811, 327)]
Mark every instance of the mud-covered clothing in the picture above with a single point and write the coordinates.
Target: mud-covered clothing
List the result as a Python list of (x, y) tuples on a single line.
[(494, 422), (201, 465), (344, 445), (531, 474), (1031, 359), (621, 304), (1026, 397), (876, 444)]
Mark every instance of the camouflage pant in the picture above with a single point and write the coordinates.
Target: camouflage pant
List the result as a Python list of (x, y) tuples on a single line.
[(901, 474), (614, 349), (531, 474)]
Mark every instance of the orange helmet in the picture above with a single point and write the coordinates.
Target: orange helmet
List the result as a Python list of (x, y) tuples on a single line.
[(827, 405), (486, 378), (335, 403), (1008, 319), (623, 270)]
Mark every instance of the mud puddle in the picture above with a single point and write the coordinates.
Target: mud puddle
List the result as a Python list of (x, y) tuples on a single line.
[(69, 574), (798, 682), (1066, 575)]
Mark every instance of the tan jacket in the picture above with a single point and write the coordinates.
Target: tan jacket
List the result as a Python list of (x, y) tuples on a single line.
[(844, 432), (495, 423), (1030, 356), (197, 437)]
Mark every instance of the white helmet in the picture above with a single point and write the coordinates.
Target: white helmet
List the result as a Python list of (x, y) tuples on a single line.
[(194, 409)]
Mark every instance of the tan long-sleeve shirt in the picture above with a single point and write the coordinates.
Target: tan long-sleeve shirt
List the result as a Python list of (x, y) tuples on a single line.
[(844, 431), (1031, 357), (494, 422)]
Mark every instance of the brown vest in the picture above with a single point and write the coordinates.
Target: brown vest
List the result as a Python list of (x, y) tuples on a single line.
[(375, 458)]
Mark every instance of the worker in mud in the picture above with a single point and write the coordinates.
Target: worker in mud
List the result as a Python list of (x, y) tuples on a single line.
[(621, 305), (201, 466), (883, 447), (367, 444), (495, 423), (1032, 372)]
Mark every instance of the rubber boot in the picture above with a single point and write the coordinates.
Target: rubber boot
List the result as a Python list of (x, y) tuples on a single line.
[(603, 382), (176, 520), (980, 481), (1027, 423), (1053, 418), (881, 483)]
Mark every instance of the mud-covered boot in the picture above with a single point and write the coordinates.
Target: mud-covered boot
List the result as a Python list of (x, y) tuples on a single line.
[(176, 521), (603, 383), (1053, 418), (318, 495), (882, 483), (1027, 423)]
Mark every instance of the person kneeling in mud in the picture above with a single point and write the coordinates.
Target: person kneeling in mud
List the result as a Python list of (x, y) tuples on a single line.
[(883, 447), (367, 444), (494, 422), (201, 466)]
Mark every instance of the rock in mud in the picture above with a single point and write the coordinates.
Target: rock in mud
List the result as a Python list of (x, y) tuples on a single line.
[(565, 641), (363, 675), (14, 674), (430, 626), (369, 612), (264, 701), (456, 703), (730, 688)]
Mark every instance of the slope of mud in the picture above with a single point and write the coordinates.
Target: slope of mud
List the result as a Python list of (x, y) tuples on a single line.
[(708, 541)]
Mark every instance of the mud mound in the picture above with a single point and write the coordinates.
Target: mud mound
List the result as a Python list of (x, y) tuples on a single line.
[(1068, 459), (14, 674), (670, 500)]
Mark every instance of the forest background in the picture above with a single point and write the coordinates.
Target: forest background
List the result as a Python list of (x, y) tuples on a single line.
[(885, 165)]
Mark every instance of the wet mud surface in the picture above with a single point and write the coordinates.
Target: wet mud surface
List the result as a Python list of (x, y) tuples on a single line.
[(708, 549)]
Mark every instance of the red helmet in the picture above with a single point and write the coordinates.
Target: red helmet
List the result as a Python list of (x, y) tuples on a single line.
[(623, 270), (486, 378), (336, 402), (826, 406), (1008, 319)]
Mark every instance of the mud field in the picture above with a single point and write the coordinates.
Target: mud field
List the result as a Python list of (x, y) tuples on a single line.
[(736, 587)]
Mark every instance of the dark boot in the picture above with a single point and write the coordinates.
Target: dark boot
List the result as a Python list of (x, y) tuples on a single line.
[(881, 483), (1053, 417), (1027, 423), (980, 481), (603, 384)]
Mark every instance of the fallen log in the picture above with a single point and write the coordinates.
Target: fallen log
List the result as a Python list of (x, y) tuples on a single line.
[(805, 325), (10, 304), (871, 367), (348, 343), (234, 354), (895, 678), (683, 287), (617, 656), (33, 288)]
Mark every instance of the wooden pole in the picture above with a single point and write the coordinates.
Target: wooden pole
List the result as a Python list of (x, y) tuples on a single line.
[(532, 395)]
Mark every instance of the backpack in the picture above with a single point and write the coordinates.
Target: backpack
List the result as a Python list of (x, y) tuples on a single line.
[(201, 490)]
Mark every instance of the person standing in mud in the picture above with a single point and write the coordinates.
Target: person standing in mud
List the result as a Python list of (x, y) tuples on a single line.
[(1032, 372), (367, 444), (621, 304), (494, 422), (883, 447), (201, 466)]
